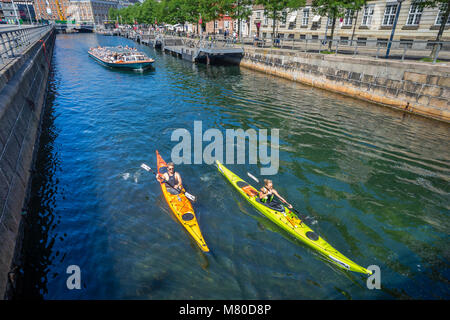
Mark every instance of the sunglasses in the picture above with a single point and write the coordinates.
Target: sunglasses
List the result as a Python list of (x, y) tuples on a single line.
[(170, 169)]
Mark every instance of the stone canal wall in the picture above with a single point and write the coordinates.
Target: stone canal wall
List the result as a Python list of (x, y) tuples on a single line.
[(414, 87), (23, 85)]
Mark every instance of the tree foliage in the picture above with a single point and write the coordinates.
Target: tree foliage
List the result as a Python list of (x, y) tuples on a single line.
[(182, 11), (334, 9), (275, 9), (444, 6)]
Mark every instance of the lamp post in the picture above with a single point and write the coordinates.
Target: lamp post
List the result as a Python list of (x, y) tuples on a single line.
[(326, 30), (15, 13), (38, 13), (29, 13), (393, 27)]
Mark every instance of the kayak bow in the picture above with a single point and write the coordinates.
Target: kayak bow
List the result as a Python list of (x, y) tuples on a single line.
[(288, 221)]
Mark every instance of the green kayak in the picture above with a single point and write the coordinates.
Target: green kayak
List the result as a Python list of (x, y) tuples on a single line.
[(288, 221)]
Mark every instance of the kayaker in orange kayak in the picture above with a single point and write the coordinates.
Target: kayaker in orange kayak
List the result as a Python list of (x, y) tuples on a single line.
[(267, 194), (172, 178)]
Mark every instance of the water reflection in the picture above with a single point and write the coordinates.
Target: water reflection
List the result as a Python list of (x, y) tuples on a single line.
[(40, 218)]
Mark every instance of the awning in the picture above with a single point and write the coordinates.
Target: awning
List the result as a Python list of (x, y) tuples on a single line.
[(293, 16), (316, 19)]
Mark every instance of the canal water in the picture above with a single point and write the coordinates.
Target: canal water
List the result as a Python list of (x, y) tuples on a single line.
[(372, 181)]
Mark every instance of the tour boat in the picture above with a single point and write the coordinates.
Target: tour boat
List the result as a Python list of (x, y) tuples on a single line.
[(120, 57)]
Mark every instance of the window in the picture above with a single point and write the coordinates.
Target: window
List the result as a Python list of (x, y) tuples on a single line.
[(226, 24), (382, 42), (303, 36), (216, 24), (344, 40), (266, 21), (258, 15), (361, 42), (415, 12), (316, 22), (430, 44), (283, 17), (292, 20), (329, 21), (348, 18), (440, 15), (389, 14), (406, 43), (367, 15), (291, 36), (315, 38), (305, 17)]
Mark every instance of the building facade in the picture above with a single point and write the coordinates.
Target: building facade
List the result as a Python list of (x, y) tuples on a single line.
[(22, 10), (374, 21), (80, 11), (2, 16), (89, 11), (100, 9), (219, 26), (51, 10), (125, 3), (9, 12)]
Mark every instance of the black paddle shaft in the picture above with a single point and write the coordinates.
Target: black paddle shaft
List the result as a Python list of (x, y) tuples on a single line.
[(163, 178), (251, 176)]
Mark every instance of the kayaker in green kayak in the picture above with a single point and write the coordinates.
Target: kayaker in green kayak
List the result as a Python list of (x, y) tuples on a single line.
[(268, 193)]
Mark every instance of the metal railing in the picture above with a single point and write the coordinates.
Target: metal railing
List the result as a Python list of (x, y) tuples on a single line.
[(191, 40), (375, 48), (14, 42)]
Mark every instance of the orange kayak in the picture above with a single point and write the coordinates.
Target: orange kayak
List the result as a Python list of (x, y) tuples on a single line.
[(181, 207)]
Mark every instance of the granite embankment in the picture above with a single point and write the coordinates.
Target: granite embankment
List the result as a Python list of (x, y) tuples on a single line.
[(416, 87), (23, 85)]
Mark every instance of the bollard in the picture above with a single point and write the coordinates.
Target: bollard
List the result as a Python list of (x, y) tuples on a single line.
[(356, 49), (404, 52), (437, 53)]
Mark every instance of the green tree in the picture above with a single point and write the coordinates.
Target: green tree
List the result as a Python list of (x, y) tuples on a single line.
[(238, 10), (334, 9), (193, 11), (212, 10), (147, 12), (175, 12), (277, 9), (113, 14), (444, 8), (135, 11)]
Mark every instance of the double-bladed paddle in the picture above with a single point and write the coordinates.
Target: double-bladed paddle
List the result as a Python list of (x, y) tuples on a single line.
[(188, 195), (256, 179)]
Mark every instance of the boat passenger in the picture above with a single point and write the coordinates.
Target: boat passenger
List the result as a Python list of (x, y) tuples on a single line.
[(268, 193), (173, 178)]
